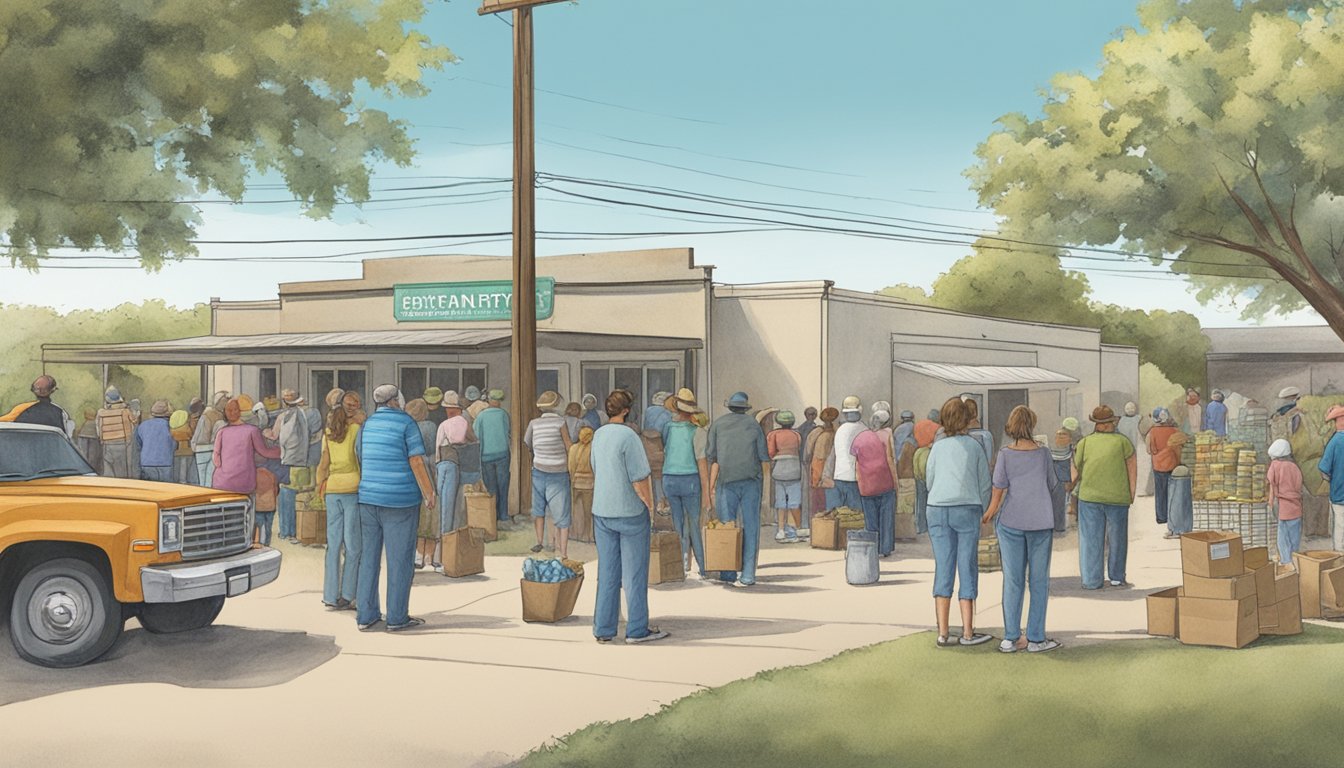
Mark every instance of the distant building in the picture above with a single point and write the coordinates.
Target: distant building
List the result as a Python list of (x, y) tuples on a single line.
[(1258, 362)]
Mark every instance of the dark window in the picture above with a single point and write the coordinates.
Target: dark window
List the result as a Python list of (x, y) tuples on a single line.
[(548, 379), (269, 383), (412, 382)]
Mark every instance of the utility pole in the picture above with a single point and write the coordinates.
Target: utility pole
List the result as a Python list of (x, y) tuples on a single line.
[(523, 396)]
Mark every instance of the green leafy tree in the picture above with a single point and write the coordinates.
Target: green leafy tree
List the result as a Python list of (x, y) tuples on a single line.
[(118, 113), (1209, 137)]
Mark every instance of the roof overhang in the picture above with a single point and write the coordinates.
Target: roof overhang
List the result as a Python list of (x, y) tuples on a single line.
[(985, 375)]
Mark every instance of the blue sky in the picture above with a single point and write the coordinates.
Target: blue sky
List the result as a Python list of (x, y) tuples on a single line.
[(883, 99)]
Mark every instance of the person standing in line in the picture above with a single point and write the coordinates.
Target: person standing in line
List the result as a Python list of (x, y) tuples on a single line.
[(804, 431), (592, 415), (1061, 454), (1105, 469), (433, 398), (1194, 412), (155, 443), (184, 463), (459, 463), (573, 422), (686, 477), (493, 429), (816, 455), (920, 468), (393, 482), (784, 446), (738, 458), (1215, 414), (1024, 479), (622, 505), (581, 486), (977, 431), (479, 401), (338, 485), (1163, 461), (959, 494), (926, 429), (1132, 426), (875, 474), (116, 430), (846, 482), (1283, 481), (294, 431), (548, 438), (42, 411), (1331, 466), (203, 441), (427, 526), (237, 447), (701, 420), (904, 445)]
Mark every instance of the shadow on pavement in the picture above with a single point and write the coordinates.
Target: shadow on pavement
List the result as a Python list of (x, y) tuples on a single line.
[(447, 620), (1070, 586), (694, 628), (214, 657)]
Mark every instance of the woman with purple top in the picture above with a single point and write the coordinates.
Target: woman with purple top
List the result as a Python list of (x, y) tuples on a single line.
[(1024, 480)]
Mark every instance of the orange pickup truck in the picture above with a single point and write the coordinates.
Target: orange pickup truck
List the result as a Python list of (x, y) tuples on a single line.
[(80, 554)]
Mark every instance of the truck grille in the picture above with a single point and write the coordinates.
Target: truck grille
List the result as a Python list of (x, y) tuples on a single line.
[(215, 529)]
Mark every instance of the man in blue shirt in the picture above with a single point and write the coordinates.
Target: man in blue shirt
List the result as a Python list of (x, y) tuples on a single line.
[(493, 429), (156, 445), (1332, 466), (1215, 415), (737, 458), (622, 498), (393, 482)]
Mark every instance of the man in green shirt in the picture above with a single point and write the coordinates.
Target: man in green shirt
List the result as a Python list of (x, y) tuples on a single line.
[(492, 429), (1104, 470), (737, 458)]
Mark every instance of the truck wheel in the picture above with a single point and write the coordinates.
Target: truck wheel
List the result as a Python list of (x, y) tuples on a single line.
[(167, 618), (64, 614)]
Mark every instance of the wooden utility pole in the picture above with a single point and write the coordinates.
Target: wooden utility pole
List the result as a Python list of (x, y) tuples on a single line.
[(523, 394)]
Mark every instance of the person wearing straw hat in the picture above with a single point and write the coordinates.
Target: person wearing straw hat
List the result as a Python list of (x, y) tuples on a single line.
[(785, 447), (154, 439), (459, 462), (1283, 482), (547, 436), (1106, 470), (493, 428), (433, 398), (477, 401), (737, 456), (686, 476), (297, 428)]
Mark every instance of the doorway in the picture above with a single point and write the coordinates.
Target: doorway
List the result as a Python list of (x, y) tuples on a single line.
[(1001, 403)]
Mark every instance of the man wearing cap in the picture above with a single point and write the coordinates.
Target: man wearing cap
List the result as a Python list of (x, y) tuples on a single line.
[(846, 479), (154, 439), (737, 456), (393, 482), (459, 462), (1215, 414), (1105, 470), (295, 429), (547, 436), (434, 399), (115, 429), (686, 476), (42, 411), (785, 447), (1332, 468), (493, 428)]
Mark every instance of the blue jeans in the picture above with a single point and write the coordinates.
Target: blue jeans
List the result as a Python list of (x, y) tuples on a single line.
[(205, 468), (496, 476), (393, 528), (955, 534), (879, 516), (447, 485), (343, 528), (157, 474), (1026, 560), (1098, 526), (286, 504), (550, 495), (1290, 540), (1160, 482), (740, 501), (683, 496), (265, 521), (921, 507), (847, 492), (622, 564), (832, 498)]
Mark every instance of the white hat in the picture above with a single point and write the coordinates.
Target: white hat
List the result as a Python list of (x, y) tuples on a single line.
[(1289, 392), (851, 405), (1280, 449)]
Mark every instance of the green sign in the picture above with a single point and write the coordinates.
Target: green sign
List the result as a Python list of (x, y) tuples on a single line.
[(450, 302)]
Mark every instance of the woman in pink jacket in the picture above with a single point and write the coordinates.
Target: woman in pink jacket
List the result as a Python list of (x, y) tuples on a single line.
[(236, 448)]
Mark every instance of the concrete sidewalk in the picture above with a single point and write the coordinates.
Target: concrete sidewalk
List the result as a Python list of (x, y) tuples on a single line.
[(281, 677)]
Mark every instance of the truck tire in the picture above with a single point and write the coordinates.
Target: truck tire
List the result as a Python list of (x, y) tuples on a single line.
[(64, 613), (167, 618)]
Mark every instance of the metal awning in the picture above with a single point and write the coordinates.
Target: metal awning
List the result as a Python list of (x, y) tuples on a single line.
[(985, 375), (232, 350)]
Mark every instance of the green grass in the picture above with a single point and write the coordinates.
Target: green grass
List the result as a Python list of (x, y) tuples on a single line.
[(1140, 703)]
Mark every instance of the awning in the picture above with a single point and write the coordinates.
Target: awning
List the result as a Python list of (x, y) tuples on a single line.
[(233, 350), (986, 375)]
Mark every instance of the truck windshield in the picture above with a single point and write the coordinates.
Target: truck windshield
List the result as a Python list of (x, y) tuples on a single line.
[(29, 455)]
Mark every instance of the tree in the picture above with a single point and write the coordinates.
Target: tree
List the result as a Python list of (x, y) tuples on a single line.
[(1209, 140), (118, 113)]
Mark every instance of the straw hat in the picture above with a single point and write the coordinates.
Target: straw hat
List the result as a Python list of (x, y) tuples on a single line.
[(452, 400), (160, 408), (433, 396), (177, 420), (496, 395), (547, 401), (851, 404)]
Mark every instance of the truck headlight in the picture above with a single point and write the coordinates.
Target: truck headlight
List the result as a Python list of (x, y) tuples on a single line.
[(170, 530)]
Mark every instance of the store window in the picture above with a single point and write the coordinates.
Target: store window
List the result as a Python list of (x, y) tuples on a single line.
[(323, 380), (640, 380), (548, 380), (415, 379), (268, 382)]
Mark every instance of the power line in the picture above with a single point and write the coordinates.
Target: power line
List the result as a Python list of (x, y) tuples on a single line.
[(588, 100)]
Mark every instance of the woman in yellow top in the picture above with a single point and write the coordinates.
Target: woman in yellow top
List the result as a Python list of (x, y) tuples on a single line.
[(338, 485)]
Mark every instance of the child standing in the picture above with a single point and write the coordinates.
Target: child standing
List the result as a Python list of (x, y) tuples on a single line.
[(1284, 483)]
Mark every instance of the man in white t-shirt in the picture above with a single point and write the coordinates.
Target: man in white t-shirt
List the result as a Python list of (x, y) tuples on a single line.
[(548, 437), (846, 481)]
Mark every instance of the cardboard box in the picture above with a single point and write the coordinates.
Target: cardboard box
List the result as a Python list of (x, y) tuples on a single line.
[(1163, 617), (1238, 588), (550, 602), (826, 533), (1310, 565), (1286, 618), (1212, 554), (1254, 557), (665, 563), (1222, 623), (1286, 583), (1264, 584), (311, 525), (463, 552), (481, 512), (723, 549), (1332, 593)]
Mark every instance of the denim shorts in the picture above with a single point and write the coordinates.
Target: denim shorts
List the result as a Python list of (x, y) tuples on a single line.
[(788, 494), (550, 495)]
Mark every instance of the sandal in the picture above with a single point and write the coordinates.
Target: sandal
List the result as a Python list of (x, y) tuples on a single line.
[(946, 642), (974, 639)]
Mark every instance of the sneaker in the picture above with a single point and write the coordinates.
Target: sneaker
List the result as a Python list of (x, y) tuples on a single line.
[(1115, 583), (1048, 645), (743, 584), (438, 568), (974, 639), (1008, 646), (536, 548), (804, 533), (372, 625), (419, 561), (780, 537), (1170, 535), (654, 634), (411, 623), (604, 640)]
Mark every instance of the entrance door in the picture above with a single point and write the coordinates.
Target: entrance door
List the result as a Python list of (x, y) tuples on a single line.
[(1001, 403)]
